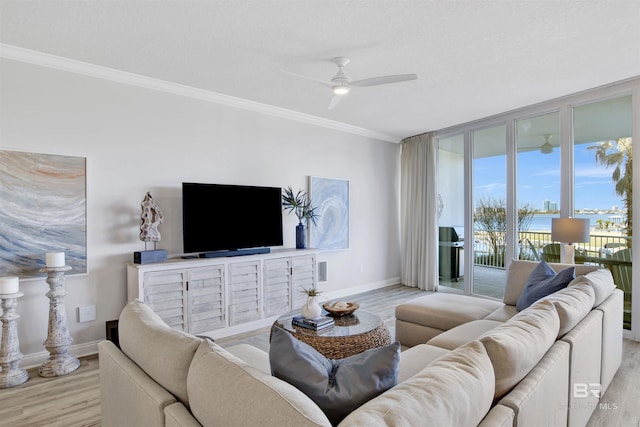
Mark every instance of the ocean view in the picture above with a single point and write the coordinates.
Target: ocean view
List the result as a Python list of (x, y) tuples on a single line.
[(542, 222)]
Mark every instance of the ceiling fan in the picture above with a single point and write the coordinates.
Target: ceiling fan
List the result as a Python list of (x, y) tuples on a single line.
[(341, 84)]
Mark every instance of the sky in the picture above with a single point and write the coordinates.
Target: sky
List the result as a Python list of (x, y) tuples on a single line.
[(539, 179)]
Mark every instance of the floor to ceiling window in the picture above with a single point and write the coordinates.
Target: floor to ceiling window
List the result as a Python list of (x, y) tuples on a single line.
[(502, 180), (489, 210), (603, 187), (537, 185)]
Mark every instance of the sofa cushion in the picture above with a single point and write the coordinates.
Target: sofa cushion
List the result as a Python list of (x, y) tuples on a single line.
[(416, 358), (517, 345), (504, 313), (163, 353), (226, 391), (572, 305), (337, 386), (445, 311), (454, 338), (251, 355), (455, 390), (601, 281), (543, 281), (519, 271)]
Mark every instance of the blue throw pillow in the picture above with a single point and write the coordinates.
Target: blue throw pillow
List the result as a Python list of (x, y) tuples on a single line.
[(338, 386), (543, 281)]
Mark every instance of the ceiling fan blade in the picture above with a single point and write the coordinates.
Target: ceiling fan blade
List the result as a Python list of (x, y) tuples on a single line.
[(322, 82), (383, 80), (335, 101)]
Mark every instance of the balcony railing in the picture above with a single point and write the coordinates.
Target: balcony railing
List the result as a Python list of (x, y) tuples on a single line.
[(532, 243), (604, 250)]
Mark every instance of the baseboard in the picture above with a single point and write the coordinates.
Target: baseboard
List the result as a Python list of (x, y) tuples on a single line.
[(36, 359), (360, 289)]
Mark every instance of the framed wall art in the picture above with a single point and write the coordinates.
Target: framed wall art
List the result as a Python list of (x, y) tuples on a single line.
[(330, 197), (43, 209)]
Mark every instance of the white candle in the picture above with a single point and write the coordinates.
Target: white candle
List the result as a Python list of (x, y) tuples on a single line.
[(55, 259), (9, 285)]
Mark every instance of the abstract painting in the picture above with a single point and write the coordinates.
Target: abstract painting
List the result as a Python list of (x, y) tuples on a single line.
[(330, 197), (43, 208)]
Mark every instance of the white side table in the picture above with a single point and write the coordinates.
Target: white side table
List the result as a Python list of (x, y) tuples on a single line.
[(11, 374), (58, 338)]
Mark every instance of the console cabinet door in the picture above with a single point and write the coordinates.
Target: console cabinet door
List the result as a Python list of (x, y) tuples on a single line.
[(205, 294), (303, 275), (244, 292), (165, 292), (277, 286)]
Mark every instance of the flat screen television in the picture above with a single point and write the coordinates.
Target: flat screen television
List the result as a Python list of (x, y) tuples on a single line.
[(230, 218)]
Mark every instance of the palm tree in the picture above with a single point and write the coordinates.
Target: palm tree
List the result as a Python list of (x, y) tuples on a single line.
[(618, 154)]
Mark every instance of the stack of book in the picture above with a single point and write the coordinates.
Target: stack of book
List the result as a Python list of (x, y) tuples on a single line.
[(316, 324)]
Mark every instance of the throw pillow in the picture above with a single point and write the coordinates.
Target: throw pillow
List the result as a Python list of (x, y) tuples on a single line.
[(338, 386), (543, 281)]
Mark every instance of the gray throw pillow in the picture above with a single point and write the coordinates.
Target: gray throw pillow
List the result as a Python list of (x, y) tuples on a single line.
[(544, 281), (338, 386)]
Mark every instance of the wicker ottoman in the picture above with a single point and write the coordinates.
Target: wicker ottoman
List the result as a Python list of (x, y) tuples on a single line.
[(352, 334)]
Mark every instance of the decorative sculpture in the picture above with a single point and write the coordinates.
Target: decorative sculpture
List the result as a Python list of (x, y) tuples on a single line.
[(150, 218)]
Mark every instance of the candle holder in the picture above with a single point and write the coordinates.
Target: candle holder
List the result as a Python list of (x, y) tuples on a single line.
[(58, 338), (10, 374)]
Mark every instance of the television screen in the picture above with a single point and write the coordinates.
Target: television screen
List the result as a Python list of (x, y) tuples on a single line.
[(217, 217)]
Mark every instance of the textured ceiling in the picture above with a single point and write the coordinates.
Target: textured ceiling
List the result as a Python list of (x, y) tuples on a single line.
[(473, 58)]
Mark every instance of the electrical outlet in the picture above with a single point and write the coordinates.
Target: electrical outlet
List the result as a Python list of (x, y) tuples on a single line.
[(86, 314)]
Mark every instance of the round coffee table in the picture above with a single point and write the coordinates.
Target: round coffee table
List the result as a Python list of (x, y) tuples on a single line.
[(351, 334)]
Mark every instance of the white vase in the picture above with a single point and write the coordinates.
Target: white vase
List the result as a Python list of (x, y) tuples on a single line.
[(311, 309)]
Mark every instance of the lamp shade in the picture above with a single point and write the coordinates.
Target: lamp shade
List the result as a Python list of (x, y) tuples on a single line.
[(569, 230)]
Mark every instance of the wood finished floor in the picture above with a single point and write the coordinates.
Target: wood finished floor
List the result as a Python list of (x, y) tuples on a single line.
[(74, 400)]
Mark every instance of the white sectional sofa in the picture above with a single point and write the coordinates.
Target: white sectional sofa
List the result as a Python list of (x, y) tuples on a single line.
[(518, 372), (581, 361)]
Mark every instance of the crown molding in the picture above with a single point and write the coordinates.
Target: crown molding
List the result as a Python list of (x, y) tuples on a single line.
[(70, 65)]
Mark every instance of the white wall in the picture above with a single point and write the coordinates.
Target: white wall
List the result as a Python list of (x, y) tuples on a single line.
[(137, 140)]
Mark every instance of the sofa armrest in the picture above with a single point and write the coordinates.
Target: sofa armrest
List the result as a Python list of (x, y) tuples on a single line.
[(612, 311), (585, 361), (176, 415), (541, 398), (498, 416), (128, 395)]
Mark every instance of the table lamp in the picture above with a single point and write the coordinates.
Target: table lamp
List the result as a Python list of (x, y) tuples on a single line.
[(569, 231)]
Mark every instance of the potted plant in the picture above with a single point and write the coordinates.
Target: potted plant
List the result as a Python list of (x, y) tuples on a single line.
[(300, 204), (311, 309)]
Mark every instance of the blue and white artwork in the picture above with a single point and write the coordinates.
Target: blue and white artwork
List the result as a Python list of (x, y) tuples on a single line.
[(330, 197), (42, 209)]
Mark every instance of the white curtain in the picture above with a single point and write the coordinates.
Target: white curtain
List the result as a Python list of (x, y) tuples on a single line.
[(418, 204)]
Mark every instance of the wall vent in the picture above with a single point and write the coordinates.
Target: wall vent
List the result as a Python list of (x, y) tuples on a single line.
[(322, 271)]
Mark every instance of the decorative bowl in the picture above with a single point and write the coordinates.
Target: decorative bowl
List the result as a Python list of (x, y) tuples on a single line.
[(340, 311)]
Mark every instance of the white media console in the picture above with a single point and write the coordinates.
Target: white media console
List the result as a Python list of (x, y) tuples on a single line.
[(218, 297)]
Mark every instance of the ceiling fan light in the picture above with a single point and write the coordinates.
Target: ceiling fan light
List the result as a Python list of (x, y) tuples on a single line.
[(546, 148), (341, 90)]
